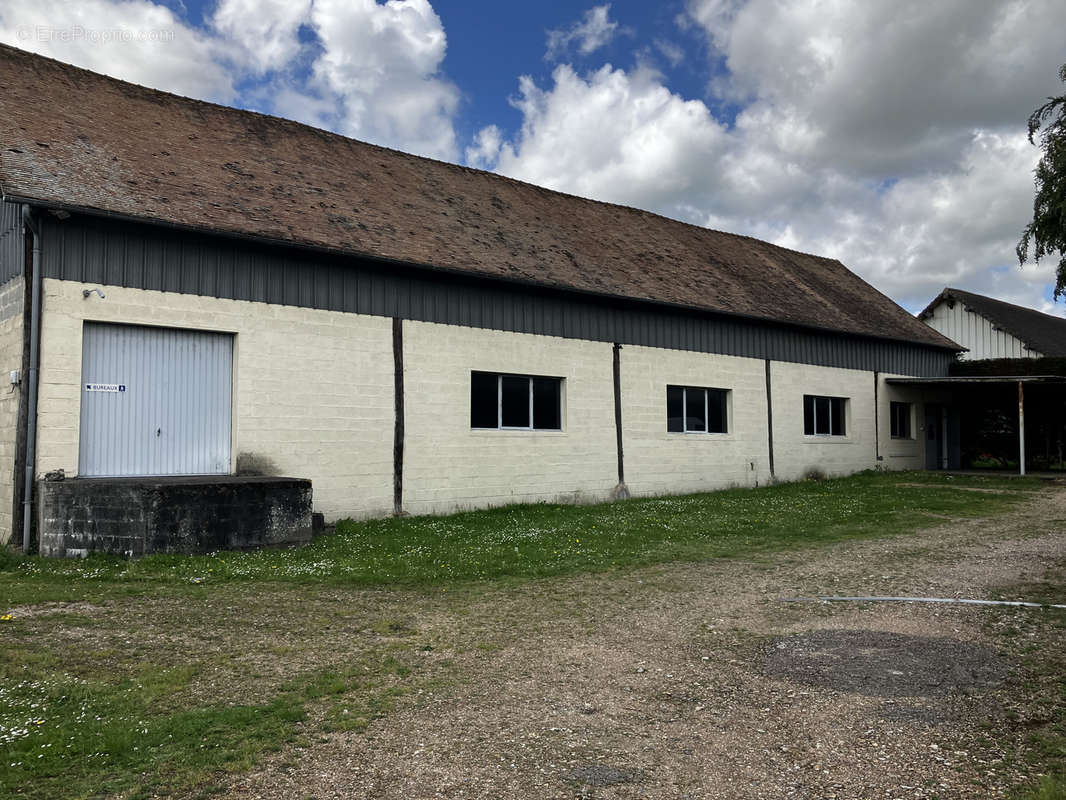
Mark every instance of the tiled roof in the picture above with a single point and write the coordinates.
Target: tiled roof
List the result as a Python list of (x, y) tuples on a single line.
[(76, 138)]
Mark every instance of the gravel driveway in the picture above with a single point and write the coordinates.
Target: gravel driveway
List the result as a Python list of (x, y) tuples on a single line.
[(697, 681)]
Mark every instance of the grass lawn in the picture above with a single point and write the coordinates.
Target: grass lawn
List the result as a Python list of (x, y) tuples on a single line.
[(1037, 641), (531, 541), (157, 676)]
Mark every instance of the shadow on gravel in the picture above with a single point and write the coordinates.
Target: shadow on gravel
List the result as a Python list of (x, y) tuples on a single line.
[(881, 664)]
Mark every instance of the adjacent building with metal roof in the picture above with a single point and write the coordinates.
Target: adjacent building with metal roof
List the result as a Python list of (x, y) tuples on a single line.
[(990, 328), (1009, 387)]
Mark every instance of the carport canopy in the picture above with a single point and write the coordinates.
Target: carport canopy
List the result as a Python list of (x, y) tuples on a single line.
[(1004, 380)]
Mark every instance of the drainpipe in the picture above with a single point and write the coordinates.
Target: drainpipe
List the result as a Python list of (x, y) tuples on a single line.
[(35, 338)]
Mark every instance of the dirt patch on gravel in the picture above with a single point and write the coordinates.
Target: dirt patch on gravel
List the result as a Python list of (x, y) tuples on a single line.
[(660, 683), (979, 489), (884, 664), (48, 609)]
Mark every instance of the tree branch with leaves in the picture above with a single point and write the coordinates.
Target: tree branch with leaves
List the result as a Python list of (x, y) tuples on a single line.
[(1046, 233)]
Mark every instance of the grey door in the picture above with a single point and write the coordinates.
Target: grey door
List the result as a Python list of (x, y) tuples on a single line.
[(155, 401), (934, 436)]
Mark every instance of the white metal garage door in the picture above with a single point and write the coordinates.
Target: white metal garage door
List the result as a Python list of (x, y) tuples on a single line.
[(154, 401)]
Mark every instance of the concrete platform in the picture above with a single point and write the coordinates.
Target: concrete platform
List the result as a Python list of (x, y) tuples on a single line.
[(181, 514)]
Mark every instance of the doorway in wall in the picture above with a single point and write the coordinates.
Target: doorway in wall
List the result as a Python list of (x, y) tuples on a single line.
[(934, 436), (942, 437), (154, 401)]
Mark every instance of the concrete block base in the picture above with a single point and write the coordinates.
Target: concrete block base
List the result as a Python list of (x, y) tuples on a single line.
[(201, 514)]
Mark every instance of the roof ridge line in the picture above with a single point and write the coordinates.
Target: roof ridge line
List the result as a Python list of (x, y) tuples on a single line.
[(315, 188), (450, 164)]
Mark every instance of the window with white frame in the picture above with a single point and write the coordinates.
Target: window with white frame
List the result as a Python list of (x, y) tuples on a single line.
[(515, 402), (693, 409), (824, 416), (901, 420)]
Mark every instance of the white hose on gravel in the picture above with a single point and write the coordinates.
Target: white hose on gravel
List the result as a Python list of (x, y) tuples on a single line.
[(954, 600)]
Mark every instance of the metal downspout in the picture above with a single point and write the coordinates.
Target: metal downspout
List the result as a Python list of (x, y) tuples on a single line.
[(31, 418)]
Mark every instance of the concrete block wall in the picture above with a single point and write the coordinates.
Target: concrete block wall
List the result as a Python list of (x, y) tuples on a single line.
[(313, 390), (659, 462), (908, 453), (796, 454), (139, 516), (313, 398), (448, 466), (12, 300)]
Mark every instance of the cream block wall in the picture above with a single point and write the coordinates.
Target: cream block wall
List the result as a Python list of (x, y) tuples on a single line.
[(313, 389), (448, 466), (795, 453), (12, 296), (901, 453), (658, 462), (313, 397)]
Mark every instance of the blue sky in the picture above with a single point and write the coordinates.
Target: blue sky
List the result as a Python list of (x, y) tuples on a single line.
[(887, 133), (491, 43)]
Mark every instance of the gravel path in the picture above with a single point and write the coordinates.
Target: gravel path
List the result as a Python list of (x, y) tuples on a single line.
[(697, 681)]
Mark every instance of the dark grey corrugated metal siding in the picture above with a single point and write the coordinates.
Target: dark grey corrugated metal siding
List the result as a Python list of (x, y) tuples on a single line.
[(97, 251), (12, 243)]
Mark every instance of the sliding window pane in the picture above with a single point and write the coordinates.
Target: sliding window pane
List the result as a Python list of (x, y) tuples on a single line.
[(716, 410), (821, 415), (808, 414), (483, 400), (515, 402), (901, 420), (837, 416), (547, 411), (695, 410), (675, 411)]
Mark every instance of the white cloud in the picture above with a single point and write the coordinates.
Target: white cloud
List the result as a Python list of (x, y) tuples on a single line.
[(653, 150), (929, 97), (671, 51), (956, 227), (375, 68), (263, 32), (135, 40), (889, 87), (887, 134), (382, 63), (485, 151), (595, 30)]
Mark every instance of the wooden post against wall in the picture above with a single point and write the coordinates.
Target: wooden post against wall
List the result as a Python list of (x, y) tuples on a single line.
[(877, 417), (23, 418), (398, 432), (769, 419), (621, 491), (1021, 428)]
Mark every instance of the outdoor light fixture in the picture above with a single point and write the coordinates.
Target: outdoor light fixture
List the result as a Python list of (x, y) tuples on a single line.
[(86, 292)]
